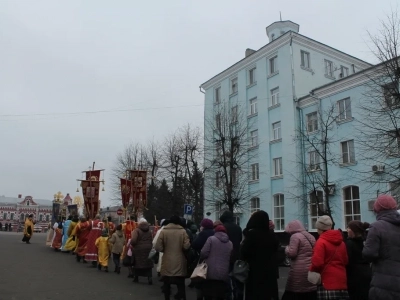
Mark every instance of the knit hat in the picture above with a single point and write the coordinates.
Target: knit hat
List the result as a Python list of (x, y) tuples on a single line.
[(220, 228), (324, 223), (207, 224), (358, 227), (385, 202), (104, 233)]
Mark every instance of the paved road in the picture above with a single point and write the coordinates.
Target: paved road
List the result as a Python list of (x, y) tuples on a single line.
[(36, 272)]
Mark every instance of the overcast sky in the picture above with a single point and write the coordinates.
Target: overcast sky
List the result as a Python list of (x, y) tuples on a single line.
[(146, 58)]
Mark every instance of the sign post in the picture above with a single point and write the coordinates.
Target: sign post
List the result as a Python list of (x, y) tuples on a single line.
[(188, 211)]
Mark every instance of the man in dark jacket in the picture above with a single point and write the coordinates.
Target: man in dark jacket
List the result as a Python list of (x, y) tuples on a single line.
[(235, 236)]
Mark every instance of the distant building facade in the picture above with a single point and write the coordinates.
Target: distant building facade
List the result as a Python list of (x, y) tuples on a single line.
[(15, 213)]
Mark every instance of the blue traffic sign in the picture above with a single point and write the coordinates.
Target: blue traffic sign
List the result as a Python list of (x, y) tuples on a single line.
[(188, 209)]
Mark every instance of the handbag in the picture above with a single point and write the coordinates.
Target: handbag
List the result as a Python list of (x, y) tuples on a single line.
[(200, 272), (240, 271), (152, 253), (315, 277), (127, 261)]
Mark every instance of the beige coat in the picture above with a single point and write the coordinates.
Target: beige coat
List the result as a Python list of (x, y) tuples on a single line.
[(117, 242), (173, 240)]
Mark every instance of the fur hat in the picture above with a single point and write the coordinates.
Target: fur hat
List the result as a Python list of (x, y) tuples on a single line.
[(324, 223), (385, 202)]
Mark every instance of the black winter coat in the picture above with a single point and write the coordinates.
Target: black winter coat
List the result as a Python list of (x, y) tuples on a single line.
[(259, 251), (358, 270), (234, 233), (201, 239)]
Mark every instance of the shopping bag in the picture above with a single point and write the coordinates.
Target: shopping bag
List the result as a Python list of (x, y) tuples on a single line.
[(200, 272)]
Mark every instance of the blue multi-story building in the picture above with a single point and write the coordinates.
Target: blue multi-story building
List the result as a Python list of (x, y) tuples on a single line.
[(269, 86)]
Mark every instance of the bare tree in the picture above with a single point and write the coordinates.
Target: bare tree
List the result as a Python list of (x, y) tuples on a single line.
[(228, 158), (379, 121)]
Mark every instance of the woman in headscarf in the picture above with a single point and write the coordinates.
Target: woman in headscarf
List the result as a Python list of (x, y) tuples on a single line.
[(259, 249), (142, 243)]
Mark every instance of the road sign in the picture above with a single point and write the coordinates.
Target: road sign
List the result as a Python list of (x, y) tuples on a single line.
[(119, 212), (188, 209)]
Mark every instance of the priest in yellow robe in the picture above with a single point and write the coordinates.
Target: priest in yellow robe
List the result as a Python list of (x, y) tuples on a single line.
[(28, 229), (103, 250)]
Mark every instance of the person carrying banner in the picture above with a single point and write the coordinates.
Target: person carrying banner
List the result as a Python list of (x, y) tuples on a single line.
[(82, 233), (72, 240), (28, 229), (96, 226)]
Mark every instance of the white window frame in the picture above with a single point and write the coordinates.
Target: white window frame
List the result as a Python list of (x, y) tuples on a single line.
[(217, 95), (305, 59), (276, 131), (320, 198), (344, 108), (277, 165), (355, 204), (252, 76), (312, 122), (234, 114), (344, 71), (253, 106), (347, 151), (328, 68), (255, 172), (234, 85), (254, 205), (314, 161), (273, 65), (279, 211), (274, 96), (254, 138)]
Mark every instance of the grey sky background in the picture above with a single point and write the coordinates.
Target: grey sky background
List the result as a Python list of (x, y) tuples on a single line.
[(61, 57)]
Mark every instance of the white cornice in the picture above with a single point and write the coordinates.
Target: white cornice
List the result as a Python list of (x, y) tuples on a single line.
[(274, 46), (306, 42), (251, 60)]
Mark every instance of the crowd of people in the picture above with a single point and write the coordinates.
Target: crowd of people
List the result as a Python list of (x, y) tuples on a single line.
[(7, 227), (364, 265)]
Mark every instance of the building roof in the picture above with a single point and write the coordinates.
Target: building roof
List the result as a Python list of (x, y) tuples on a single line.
[(277, 41), (15, 200)]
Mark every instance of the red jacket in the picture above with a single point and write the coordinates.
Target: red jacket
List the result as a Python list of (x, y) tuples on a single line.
[(330, 264)]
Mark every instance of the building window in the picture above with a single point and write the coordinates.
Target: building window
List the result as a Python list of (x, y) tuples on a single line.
[(217, 178), (344, 72), (254, 204), (21, 217), (393, 142), (217, 95), (253, 106), (305, 59), (328, 68), (391, 94), (394, 188), (254, 172), (273, 36), (275, 96), (279, 211), (276, 128), (40, 218), (314, 161), (252, 76), (234, 173), (254, 138), (218, 121), (348, 155), (5, 216), (344, 109), (351, 198), (277, 162), (234, 85), (12, 216), (27, 203), (273, 65), (312, 122), (47, 218), (234, 114), (316, 199)]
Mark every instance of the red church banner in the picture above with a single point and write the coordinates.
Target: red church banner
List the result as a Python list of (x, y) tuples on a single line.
[(90, 190), (126, 191), (93, 175), (139, 179)]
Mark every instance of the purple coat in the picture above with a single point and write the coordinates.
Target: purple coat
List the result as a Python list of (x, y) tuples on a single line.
[(217, 253), (382, 248), (299, 250)]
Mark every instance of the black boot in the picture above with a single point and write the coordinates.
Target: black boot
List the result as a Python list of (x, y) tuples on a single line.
[(136, 279), (115, 269), (106, 269), (150, 279), (99, 267), (78, 258), (118, 270)]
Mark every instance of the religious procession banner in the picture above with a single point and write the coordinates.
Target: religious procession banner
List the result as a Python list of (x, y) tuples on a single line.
[(91, 190), (126, 189), (139, 179), (56, 213), (93, 175), (73, 210)]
